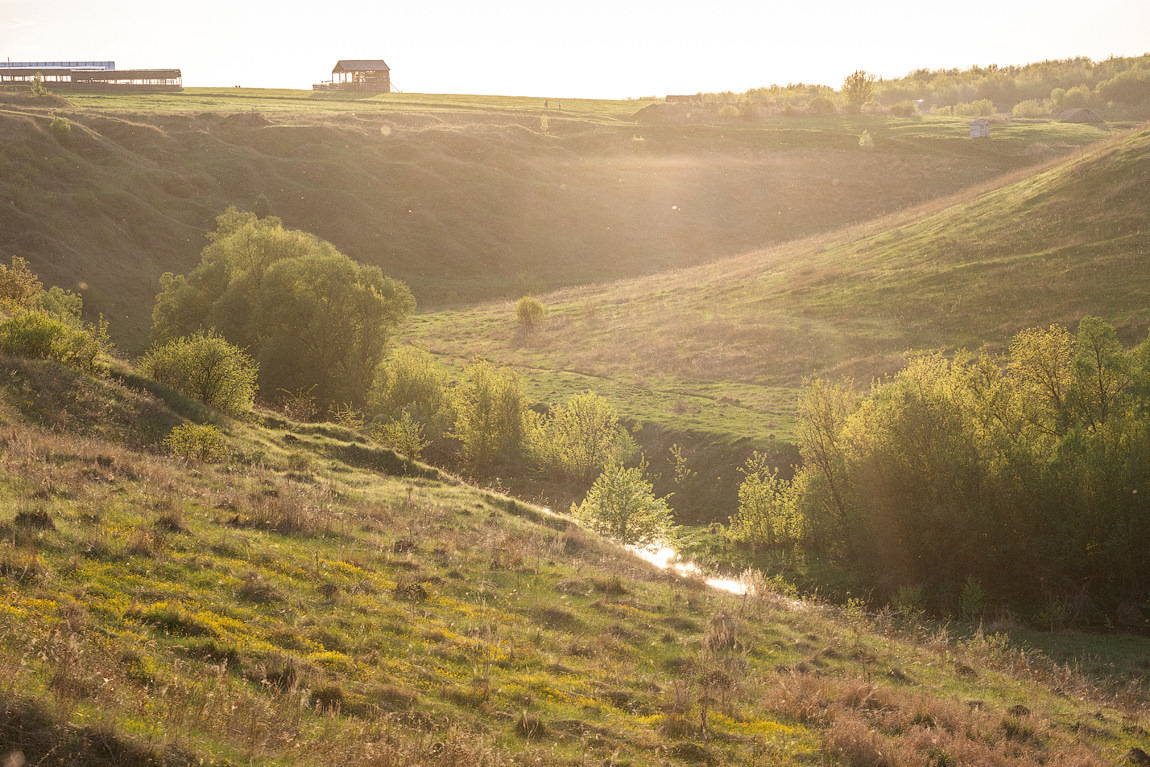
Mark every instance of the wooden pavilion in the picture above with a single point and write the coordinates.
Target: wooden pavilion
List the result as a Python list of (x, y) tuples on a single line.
[(358, 75)]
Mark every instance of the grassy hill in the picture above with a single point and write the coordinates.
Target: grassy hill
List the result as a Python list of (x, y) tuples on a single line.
[(319, 599), (465, 198), (717, 353)]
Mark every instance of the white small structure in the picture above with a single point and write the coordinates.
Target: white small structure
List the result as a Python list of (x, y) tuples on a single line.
[(980, 129)]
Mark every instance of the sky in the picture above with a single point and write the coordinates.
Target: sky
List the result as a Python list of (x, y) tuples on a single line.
[(589, 49)]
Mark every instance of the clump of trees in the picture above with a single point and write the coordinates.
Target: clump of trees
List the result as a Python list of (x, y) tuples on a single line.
[(1027, 477), (46, 324), (313, 320)]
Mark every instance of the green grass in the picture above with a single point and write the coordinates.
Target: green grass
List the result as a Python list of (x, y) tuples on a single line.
[(287, 606)]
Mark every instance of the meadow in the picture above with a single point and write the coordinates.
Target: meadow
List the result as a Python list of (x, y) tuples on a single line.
[(316, 596)]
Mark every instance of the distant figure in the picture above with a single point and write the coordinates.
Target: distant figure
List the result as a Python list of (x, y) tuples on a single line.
[(546, 105), (560, 104)]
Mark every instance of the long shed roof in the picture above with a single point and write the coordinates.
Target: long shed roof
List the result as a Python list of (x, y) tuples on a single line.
[(360, 65)]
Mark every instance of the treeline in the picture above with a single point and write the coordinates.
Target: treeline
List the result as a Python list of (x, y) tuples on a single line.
[(1118, 88), (977, 481)]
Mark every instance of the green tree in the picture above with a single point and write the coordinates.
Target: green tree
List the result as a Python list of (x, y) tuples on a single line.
[(207, 368), (621, 505), (410, 385), (1040, 362), (491, 415), (858, 87), (581, 438), (1101, 372), (768, 513), (313, 319)]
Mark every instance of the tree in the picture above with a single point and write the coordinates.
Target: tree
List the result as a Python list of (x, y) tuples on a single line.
[(18, 284), (207, 368), (1101, 372), (768, 514), (858, 88), (1041, 364), (313, 319), (492, 417), (410, 385), (581, 438), (622, 505)]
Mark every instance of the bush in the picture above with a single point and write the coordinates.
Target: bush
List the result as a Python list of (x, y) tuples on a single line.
[(18, 285), (767, 515), (36, 335), (903, 109), (1029, 109), (979, 108), (197, 442), (403, 436), (530, 313), (411, 385), (60, 128), (865, 141), (492, 421), (728, 112), (579, 440), (622, 505), (207, 368), (821, 105)]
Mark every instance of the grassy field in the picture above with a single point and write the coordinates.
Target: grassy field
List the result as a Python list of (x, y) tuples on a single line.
[(466, 198), (718, 352), (317, 598)]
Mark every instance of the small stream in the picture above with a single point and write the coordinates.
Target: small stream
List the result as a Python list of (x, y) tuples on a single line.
[(666, 558)]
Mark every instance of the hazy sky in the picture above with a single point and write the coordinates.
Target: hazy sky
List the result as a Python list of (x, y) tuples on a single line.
[(604, 48)]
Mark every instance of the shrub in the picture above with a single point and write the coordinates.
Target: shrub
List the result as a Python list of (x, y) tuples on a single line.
[(728, 112), (37, 336), (821, 105), (18, 285), (60, 128), (903, 109), (580, 439), (411, 385), (622, 505), (978, 108), (767, 514), (865, 141), (197, 442), (1028, 109), (206, 367), (530, 313), (491, 422), (403, 436)]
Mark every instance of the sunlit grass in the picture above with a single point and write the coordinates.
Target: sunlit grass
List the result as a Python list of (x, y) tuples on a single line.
[(149, 595)]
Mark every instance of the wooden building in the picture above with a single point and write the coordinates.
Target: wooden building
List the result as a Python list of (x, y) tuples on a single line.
[(89, 76), (358, 75), (980, 129)]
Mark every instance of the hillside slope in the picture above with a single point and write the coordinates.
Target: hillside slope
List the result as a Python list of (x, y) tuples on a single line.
[(317, 599), (1051, 246), (465, 201)]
